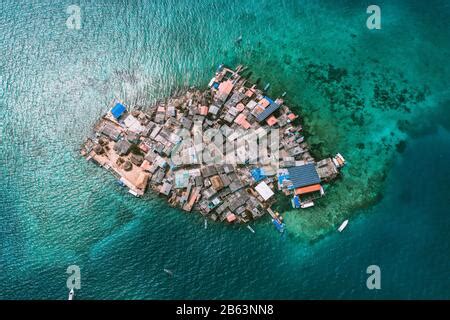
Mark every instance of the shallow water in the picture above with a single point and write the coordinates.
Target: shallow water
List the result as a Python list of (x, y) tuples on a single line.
[(359, 92)]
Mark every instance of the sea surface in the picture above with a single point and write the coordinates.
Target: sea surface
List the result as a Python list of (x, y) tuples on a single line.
[(380, 97)]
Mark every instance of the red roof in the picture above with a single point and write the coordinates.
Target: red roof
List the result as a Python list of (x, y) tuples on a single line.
[(271, 121), (203, 110), (242, 121), (308, 189)]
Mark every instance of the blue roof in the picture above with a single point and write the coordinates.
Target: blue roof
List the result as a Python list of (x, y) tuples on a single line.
[(303, 176), (268, 99), (267, 112), (258, 174), (118, 110)]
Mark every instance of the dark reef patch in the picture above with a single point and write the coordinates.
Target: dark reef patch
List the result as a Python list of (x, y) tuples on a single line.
[(401, 146)]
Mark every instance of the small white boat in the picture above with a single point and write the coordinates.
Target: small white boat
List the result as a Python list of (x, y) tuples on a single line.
[(343, 225), (307, 204), (170, 273), (71, 294), (134, 193), (206, 223), (251, 229)]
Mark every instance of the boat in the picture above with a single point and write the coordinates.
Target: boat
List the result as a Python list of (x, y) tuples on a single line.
[(134, 193), (266, 87), (307, 204), (170, 273), (251, 229), (278, 224), (210, 84), (206, 223), (343, 225), (71, 294)]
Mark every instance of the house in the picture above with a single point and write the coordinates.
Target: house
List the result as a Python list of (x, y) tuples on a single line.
[(165, 188), (134, 124), (267, 112), (122, 147), (118, 110), (225, 89), (302, 176), (264, 191), (110, 131), (305, 181)]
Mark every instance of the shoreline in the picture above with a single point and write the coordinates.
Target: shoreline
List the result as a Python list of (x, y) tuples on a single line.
[(138, 148)]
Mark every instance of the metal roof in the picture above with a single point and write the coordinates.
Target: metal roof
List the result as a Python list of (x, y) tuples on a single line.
[(304, 175), (267, 112), (118, 110)]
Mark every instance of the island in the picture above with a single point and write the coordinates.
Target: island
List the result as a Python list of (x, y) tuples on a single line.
[(223, 151)]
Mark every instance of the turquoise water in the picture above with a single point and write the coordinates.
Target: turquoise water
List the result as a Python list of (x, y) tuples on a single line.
[(58, 210)]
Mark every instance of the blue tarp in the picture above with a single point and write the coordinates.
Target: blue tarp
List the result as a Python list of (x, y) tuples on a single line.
[(279, 226), (296, 202), (303, 176), (282, 177), (258, 174), (216, 85), (118, 110)]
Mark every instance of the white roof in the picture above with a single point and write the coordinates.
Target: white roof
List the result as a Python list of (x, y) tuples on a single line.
[(251, 104), (264, 190), (133, 124)]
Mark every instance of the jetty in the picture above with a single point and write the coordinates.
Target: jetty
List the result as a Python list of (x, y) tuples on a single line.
[(157, 149)]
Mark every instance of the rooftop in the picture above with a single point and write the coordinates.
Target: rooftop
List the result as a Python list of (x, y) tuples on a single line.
[(302, 176)]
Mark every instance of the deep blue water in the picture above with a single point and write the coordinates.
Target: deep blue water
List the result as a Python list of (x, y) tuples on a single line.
[(57, 210)]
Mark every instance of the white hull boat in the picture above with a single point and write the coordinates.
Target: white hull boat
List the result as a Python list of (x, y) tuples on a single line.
[(343, 225)]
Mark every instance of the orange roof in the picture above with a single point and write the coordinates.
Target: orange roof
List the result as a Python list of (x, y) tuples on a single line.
[(271, 121), (292, 116), (226, 87), (308, 189), (249, 93), (264, 103), (231, 217)]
